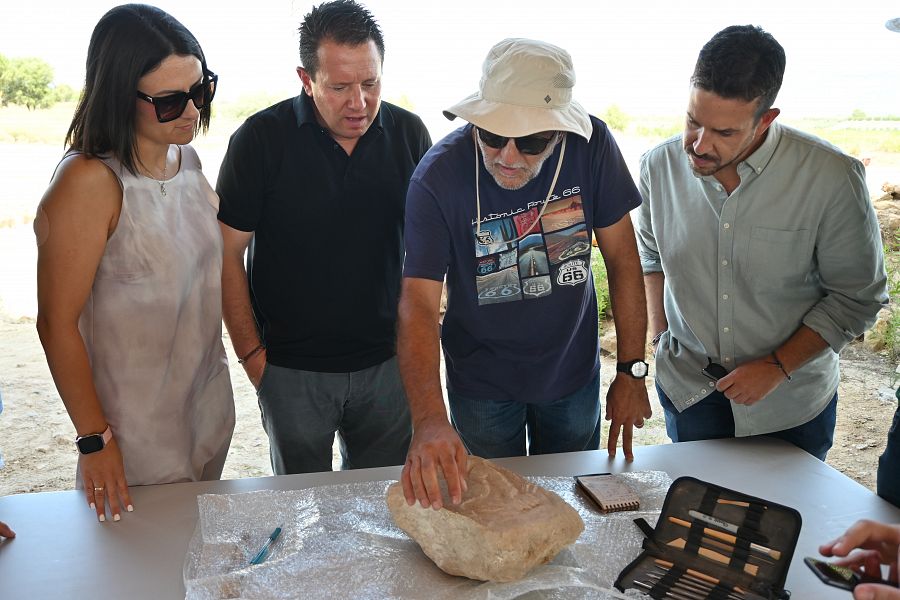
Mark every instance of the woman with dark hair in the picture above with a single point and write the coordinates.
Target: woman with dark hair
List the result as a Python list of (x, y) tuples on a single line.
[(129, 266)]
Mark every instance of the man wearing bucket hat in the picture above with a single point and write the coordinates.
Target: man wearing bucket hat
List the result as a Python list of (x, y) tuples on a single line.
[(505, 207), (762, 257)]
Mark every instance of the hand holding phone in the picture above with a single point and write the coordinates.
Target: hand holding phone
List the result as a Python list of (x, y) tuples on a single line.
[(714, 370), (840, 576)]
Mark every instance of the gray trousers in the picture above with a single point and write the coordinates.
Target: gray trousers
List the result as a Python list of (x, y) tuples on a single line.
[(302, 410)]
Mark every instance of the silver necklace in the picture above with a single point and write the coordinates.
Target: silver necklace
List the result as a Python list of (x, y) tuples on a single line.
[(162, 183)]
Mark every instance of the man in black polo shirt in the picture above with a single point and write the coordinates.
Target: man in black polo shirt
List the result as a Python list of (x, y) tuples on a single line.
[(316, 186)]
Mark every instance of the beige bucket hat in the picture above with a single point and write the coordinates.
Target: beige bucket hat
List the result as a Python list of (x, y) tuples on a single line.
[(526, 87)]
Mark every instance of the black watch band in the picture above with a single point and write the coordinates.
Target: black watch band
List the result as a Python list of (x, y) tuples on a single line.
[(636, 368)]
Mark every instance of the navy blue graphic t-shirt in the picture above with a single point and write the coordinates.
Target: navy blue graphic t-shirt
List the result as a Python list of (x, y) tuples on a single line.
[(521, 320)]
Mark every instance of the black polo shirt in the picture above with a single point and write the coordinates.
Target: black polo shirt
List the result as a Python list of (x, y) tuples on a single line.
[(325, 263)]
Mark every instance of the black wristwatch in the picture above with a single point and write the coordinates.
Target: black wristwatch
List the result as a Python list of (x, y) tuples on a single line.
[(93, 442), (636, 368)]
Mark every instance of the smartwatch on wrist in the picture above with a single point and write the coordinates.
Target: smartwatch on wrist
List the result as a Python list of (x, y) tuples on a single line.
[(635, 368), (93, 442)]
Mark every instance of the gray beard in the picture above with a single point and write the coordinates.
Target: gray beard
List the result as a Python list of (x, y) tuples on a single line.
[(532, 171)]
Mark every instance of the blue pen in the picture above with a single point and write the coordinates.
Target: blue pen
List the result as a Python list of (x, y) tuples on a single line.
[(264, 551)]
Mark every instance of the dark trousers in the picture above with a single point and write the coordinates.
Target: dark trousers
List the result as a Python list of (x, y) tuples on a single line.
[(302, 411), (889, 464), (711, 418), (494, 429)]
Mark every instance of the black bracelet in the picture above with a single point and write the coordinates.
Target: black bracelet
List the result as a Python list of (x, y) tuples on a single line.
[(778, 364), (251, 354)]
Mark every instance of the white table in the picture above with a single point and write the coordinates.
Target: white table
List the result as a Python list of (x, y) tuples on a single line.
[(61, 551)]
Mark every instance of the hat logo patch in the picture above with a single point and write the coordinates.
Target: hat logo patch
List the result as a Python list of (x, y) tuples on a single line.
[(547, 98)]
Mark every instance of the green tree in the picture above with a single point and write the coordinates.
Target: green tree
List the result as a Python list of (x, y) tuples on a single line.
[(63, 93), (616, 118), (26, 82), (4, 65)]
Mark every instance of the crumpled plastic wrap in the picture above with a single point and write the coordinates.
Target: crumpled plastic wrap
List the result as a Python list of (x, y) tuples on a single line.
[(339, 542)]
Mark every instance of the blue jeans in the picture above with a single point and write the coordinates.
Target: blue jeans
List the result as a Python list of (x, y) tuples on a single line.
[(889, 464), (711, 418), (302, 410), (494, 429)]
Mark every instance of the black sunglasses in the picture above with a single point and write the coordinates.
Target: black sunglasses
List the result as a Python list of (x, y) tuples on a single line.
[(529, 144), (168, 108)]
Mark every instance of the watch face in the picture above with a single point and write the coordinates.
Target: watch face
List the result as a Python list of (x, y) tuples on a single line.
[(90, 443), (639, 369)]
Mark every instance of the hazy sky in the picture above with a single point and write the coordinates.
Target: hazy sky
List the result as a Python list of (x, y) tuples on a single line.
[(637, 54)]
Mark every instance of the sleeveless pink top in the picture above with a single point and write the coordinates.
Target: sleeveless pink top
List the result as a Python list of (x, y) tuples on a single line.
[(153, 329)]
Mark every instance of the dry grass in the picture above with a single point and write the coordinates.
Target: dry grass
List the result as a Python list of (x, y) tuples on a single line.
[(19, 125)]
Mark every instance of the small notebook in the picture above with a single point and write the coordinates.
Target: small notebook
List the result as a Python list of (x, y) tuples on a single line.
[(609, 492)]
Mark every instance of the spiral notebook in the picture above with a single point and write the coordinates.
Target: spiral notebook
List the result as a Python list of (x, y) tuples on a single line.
[(610, 493)]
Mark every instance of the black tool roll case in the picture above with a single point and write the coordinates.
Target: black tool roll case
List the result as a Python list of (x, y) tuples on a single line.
[(714, 543)]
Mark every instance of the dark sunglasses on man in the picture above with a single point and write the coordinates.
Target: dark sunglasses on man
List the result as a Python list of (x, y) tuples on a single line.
[(169, 107), (529, 144)]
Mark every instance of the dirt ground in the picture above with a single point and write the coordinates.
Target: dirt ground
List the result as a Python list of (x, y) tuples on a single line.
[(37, 435)]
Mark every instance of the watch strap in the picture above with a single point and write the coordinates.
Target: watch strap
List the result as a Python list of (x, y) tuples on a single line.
[(626, 367), (105, 437)]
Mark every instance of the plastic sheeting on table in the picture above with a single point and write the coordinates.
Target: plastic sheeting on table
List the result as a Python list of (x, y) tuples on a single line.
[(340, 542)]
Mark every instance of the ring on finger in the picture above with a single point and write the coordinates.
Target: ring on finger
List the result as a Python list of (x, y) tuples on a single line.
[(98, 489)]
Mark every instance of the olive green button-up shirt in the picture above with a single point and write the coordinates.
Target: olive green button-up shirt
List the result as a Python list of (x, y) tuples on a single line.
[(797, 242)]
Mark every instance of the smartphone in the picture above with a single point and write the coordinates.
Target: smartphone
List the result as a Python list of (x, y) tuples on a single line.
[(714, 371), (838, 576)]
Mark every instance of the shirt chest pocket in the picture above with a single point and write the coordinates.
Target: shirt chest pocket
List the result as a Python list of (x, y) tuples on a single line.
[(779, 258)]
